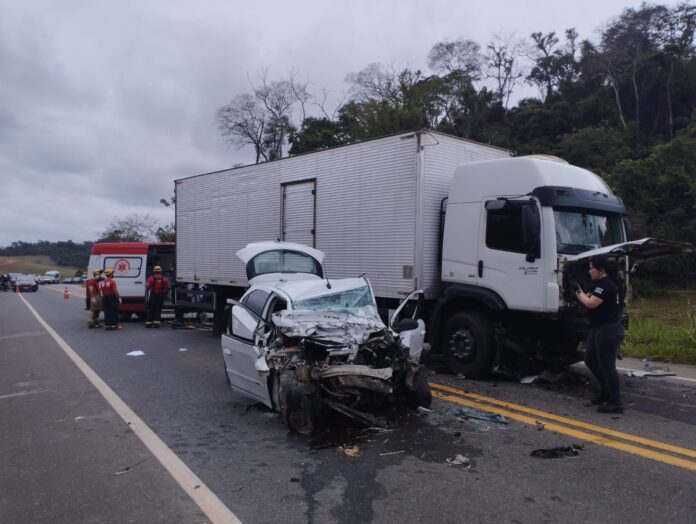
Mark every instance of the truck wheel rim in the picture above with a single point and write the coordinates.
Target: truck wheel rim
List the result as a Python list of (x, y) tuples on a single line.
[(462, 345)]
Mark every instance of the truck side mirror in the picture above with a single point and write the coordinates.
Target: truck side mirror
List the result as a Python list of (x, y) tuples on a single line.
[(531, 230)]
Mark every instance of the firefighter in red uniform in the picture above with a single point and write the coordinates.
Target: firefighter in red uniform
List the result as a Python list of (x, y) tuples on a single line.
[(93, 297), (110, 300), (157, 287)]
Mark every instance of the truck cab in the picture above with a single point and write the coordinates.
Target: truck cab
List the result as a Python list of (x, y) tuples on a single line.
[(507, 258)]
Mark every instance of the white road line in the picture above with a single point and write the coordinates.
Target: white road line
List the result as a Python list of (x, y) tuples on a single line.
[(673, 377), (207, 501)]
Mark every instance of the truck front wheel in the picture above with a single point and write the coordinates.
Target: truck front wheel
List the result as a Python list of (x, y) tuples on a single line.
[(468, 347)]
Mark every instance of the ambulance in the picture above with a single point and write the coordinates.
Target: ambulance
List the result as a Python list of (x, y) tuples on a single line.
[(133, 263)]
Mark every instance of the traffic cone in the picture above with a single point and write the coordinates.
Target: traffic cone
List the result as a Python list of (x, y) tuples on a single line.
[(66, 294)]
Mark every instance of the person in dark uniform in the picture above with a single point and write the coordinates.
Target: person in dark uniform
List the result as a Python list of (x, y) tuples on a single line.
[(605, 308), (110, 300), (157, 288)]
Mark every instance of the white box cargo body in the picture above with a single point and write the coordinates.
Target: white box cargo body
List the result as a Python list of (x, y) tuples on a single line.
[(371, 207)]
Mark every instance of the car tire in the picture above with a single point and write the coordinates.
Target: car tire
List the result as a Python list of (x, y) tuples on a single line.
[(298, 407), (421, 396), (468, 346), (274, 390)]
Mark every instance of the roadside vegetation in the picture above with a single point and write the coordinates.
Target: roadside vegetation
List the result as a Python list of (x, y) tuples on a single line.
[(36, 264), (663, 327)]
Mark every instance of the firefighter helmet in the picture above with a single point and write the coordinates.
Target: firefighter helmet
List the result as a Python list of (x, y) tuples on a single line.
[(157, 269), (97, 272), (109, 272)]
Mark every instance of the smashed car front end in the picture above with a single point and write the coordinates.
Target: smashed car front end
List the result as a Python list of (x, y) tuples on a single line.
[(343, 359)]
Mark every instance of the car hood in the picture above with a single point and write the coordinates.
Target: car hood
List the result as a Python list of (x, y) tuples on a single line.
[(642, 249), (341, 326)]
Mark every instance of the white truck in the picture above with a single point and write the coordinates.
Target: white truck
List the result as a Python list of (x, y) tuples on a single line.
[(490, 239)]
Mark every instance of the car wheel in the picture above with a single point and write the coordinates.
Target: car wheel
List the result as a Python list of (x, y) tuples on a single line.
[(274, 389), (468, 347), (421, 394), (298, 406)]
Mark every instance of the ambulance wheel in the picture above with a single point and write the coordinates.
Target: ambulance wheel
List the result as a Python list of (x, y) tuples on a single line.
[(468, 346)]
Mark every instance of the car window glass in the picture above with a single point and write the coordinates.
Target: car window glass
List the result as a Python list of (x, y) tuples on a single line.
[(124, 267), (283, 261), (256, 300)]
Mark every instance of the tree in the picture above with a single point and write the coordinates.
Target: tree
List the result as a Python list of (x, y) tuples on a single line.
[(263, 119), (460, 55), (133, 228), (316, 134), (503, 65), (675, 36), (243, 122), (544, 73)]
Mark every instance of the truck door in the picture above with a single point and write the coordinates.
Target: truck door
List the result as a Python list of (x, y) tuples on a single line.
[(298, 214), (506, 263)]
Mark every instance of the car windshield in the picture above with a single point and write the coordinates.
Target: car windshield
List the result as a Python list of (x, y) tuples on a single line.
[(351, 299), (577, 232)]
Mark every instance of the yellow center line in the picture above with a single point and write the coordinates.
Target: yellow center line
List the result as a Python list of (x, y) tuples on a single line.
[(571, 422), (627, 448)]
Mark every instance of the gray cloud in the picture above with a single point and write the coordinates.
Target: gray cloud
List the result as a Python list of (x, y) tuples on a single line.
[(104, 104)]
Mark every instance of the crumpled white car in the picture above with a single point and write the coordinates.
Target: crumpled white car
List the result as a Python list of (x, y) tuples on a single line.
[(301, 343)]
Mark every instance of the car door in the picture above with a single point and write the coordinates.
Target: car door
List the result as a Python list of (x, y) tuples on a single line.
[(406, 323), (240, 349)]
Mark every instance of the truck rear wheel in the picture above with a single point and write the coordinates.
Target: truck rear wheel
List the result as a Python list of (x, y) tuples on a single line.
[(468, 347)]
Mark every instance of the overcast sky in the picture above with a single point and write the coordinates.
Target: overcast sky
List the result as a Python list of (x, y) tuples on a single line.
[(103, 104)]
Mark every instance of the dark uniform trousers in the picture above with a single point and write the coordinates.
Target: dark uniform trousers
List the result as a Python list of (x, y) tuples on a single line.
[(154, 308), (601, 349)]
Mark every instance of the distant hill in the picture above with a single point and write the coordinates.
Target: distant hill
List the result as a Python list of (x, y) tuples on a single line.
[(63, 253), (34, 264)]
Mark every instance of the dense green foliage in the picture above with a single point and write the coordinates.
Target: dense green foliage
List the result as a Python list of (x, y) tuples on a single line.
[(67, 253)]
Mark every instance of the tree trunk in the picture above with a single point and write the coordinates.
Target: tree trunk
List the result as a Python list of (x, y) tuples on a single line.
[(637, 95), (618, 103), (670, 125)]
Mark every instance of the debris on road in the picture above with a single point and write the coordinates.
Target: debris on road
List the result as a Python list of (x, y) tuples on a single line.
[(459, 460), (645, 374), (467, 413), (352, 452), (183, 349), (540, 425), (136, 353), (529, 380), (392, 453), (557, 452)]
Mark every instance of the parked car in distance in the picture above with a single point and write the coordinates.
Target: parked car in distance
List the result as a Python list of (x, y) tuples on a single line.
[(26, 283), (52, 277), (300, 344)]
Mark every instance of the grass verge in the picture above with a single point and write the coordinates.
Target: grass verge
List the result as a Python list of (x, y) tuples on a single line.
[(663, 328)]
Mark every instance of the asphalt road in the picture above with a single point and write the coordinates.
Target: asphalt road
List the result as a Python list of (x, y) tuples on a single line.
[(68, 456)]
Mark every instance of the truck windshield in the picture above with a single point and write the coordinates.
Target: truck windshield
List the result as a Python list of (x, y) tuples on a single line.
[(350, 299), (577, 232)]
